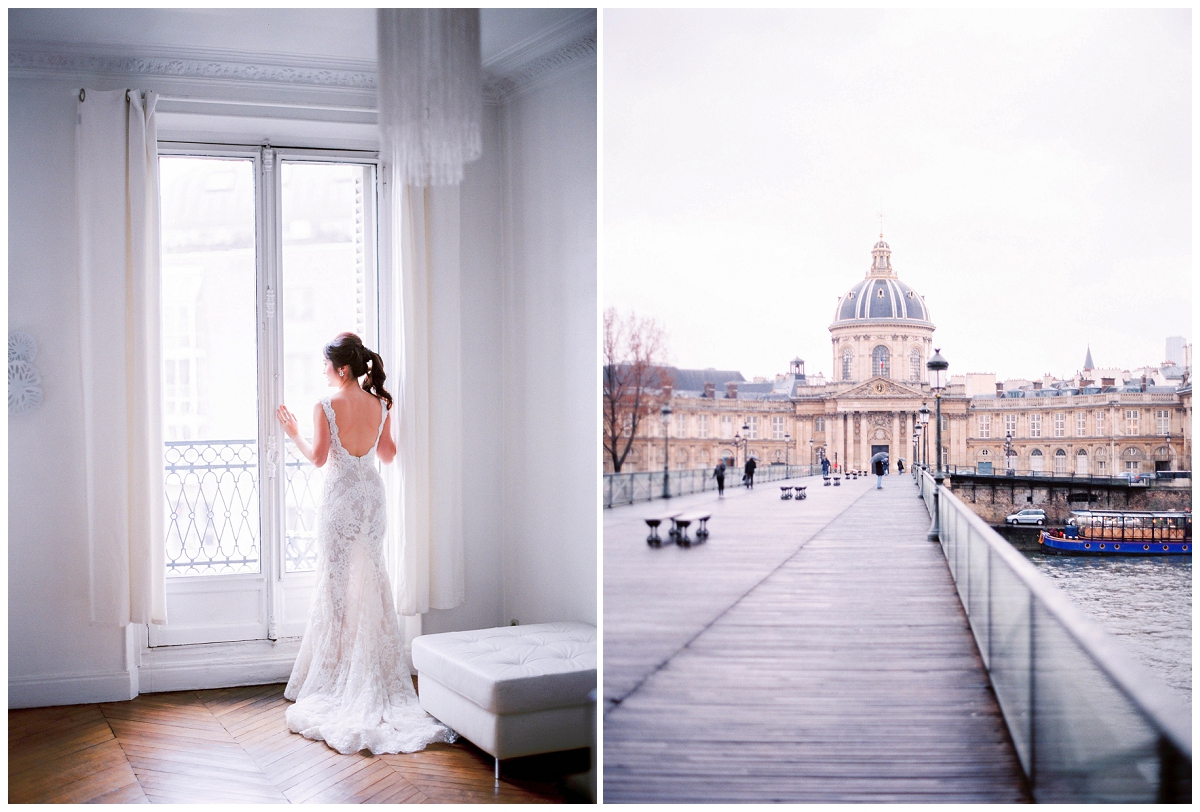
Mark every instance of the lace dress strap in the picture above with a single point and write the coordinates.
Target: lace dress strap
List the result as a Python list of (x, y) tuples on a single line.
[(382, 422), (329, 416)]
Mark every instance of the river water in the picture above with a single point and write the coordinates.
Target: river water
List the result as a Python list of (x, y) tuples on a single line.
[(1144, 602)]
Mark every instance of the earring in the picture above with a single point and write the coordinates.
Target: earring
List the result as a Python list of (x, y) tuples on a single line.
[(341, 373)]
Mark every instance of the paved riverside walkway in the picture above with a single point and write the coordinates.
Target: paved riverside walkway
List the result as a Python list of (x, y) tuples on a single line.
[(809, 651)]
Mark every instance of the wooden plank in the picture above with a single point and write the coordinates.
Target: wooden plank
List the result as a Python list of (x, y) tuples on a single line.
[(808, 652)]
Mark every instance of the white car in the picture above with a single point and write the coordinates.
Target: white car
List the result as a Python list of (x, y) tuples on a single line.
[(1028, 516)]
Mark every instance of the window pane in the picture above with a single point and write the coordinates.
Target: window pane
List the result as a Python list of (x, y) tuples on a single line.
[(210, 379), (328, 287)]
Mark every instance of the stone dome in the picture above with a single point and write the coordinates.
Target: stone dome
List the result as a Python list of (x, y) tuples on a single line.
[(881, 296)]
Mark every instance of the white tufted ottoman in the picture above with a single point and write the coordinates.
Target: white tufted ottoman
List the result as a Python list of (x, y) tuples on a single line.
[(514, 690)]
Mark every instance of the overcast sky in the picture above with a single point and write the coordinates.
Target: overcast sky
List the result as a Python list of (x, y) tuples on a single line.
[(1034, 170)]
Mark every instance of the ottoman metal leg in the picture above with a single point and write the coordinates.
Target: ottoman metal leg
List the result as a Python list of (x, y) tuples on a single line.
[(497, 772)]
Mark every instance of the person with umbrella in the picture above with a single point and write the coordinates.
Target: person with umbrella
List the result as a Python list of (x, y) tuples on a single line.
[(879, 461)]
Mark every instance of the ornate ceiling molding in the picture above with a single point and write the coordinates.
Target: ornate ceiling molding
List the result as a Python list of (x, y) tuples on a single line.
[(38, 59), (498, 88)]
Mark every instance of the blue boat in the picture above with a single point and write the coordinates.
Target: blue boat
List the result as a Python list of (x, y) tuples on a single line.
[(1122, 532)]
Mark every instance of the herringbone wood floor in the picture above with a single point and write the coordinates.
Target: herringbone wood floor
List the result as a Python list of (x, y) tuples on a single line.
[(232, 745)]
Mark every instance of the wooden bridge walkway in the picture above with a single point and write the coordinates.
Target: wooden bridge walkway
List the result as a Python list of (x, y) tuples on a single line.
[(811, 651)]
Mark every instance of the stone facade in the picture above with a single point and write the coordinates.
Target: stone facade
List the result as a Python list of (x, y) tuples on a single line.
[(882, 337)]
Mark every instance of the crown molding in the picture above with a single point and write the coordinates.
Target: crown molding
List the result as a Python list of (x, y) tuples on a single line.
[(40, 58), (528, 63)]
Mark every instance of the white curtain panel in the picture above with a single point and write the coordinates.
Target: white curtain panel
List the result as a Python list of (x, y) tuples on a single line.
[(431, 572), (116, 168), (430, 92)]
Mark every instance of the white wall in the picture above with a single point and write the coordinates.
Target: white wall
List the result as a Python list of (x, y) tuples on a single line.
[(548, 135), (53, 651)]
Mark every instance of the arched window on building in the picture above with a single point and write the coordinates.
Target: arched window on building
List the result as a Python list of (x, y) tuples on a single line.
[(1081, 462), (847, 363), (914, 363), (1035, 461), (1162, 458), (1102, 461), (1060, 462), (881, 362), (1132, 457)]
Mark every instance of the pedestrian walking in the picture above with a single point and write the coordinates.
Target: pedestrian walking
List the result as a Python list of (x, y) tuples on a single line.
[(879, 467), (824, 467), (751, 464), (719, 475), (900, 466)]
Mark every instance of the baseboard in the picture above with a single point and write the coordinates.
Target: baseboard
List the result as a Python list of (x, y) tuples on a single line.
[(216, 665), (80, 689)]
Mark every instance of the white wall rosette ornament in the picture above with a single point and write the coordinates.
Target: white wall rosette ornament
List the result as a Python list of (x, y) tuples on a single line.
[(24, 383)]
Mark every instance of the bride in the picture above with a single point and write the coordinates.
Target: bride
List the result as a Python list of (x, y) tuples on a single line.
[(350, 683)]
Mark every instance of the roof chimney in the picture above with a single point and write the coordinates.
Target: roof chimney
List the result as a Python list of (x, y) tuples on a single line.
[(710, 389), (731, 390)]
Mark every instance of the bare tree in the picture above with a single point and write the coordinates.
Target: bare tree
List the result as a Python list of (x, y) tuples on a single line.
[(634, 378)]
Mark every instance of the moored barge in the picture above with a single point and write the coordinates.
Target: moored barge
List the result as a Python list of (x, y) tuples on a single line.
[(1122, 532)]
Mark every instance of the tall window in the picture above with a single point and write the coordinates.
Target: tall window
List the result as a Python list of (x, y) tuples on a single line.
[(1060, 461), (1081, 462), (1163, 419), (777, 431), (243, 326), (985, 426), (1099, 416), (681, 425), (1010, 425), (702, 427), (881, 363), (1060, 424), (1131, 423), (914, 364), (847, 363), (1035, 461), (1035, 425), (818, 425), (752, 422), (726, 427), (1080, 424)]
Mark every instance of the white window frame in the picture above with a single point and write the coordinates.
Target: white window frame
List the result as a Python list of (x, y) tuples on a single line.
[(819, 425), (1060, 424), (985, 426), (1035, 425), (702, 427), (752, 422), (1132, 418), (1081, 424), (680, 425), (282, 598), (777, 427), (1162, 419), (1010, 425), (1099, 416)]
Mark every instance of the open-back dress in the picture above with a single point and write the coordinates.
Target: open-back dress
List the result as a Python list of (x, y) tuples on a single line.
[(350, 683)]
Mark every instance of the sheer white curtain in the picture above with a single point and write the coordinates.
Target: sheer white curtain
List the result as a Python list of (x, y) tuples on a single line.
[(116, 169), (428, 417), (430, 114)]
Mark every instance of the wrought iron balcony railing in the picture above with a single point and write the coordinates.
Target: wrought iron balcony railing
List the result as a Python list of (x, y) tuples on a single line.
[(212, 508)]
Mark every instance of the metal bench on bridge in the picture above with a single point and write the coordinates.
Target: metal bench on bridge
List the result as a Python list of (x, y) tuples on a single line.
[(828, 479), (801, 492), (683, 522), (837, 479), (654, 538), (786, 491)]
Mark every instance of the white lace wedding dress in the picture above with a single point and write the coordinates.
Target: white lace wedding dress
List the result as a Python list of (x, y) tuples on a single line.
[(350, 683)]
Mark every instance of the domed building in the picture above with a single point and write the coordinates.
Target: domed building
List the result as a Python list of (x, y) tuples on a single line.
[(881, 327)]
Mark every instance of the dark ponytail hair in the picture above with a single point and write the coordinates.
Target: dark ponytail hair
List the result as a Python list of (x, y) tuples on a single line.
[(347, 350)]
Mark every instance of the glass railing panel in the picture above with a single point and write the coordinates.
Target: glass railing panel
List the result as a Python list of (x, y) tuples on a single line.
[(1009, 654), (980, 595), (1091, 744)]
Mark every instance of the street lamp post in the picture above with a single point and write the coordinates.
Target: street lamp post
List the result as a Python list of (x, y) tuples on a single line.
[(812, 443), (923, 425), (1008, 471), (737, 448), (787, 449), (666, 421), (938, 366)]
